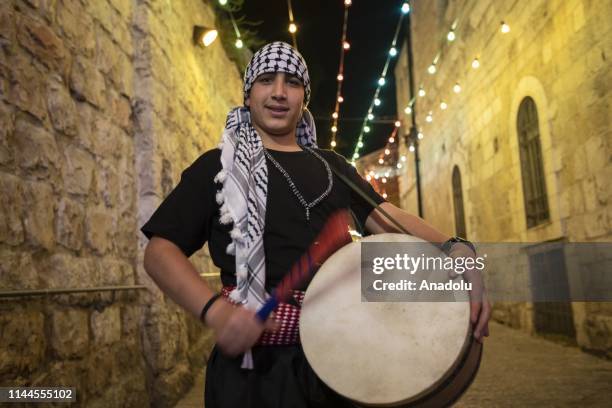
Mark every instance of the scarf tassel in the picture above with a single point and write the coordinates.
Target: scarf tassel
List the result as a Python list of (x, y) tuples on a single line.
[(221, 176)]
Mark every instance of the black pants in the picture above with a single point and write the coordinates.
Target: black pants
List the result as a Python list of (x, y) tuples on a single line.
[(281, 378)]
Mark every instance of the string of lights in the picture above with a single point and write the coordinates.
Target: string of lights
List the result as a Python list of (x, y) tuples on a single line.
[(434, 68), (344, 47), (405, 9), (385, 171)]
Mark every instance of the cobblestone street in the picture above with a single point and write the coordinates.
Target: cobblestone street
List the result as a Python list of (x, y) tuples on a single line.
[(519, 370)]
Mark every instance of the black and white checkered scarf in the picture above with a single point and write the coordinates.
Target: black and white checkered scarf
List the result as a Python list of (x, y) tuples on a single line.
[(244, 176)]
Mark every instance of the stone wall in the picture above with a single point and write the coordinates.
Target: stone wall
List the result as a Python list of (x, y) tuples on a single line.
[(558, 53), (102, 105)]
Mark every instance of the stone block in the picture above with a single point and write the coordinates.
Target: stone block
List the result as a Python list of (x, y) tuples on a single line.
[(69, 225), (37, 37), (62, 270), (121, 111), (69, 332), (101, 371), (62, 110), (106, 326), (77, 27), (27, 87), (11, 210), (598, 153), (105, 135), (77, 170), (22, 349), (86, 82), (115, 272), (107, 52), (39, 216), (35, 148), (99, 229), (596, 224), (7, 21), (17, 271)]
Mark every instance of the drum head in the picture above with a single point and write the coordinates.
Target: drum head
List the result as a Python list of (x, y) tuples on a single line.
[(378, 353)]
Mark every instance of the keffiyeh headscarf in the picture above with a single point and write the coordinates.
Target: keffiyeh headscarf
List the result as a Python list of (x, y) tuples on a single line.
[(244, 176)]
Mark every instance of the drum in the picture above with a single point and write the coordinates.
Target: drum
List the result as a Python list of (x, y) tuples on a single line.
[(385, 354)]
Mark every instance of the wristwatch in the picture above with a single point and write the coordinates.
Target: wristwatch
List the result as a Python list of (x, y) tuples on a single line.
[(448, 245)]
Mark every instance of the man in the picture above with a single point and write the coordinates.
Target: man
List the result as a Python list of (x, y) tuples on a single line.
[(259, 201)]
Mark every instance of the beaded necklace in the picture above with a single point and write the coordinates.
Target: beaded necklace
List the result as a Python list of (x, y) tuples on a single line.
[(296, 192)]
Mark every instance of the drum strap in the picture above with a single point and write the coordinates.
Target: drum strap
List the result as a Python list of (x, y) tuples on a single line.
[(368, 199)]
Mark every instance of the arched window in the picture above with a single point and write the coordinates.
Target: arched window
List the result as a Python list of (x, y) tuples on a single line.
[(532, 168), (458, 203)]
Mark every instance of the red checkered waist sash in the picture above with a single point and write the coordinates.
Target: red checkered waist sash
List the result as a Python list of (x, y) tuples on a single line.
[(286, 315)]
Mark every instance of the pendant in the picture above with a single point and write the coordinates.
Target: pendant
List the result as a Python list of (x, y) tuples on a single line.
[(307, 213)]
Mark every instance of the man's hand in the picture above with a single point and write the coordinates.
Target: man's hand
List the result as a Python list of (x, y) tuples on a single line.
[(236, 328), (480, 308)]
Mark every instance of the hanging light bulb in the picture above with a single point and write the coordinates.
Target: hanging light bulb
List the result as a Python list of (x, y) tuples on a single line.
[(384, 180), (443, 105), (429, 117), (406, 8), (366, 129), (475, 63), (377, 102), (333, 143), (420, 135), (408, 110), (391, 139), (238, 43), (360, 144), (370, 116), (346, 45), (376, 176), (384, 195), (340, 77), (505, 28), (223, 2), (340, 99), (334, 129), (380, 161), (347, 2), (381, 81), (292, 28), (368, 177), (411, 148), (399, 165), (432, 69), (393, 51), (398, 123), (387, 152), (451, 36), (355, 155), (335, 115), (371, 173), (421, 92), (457, 88), (403, 158)]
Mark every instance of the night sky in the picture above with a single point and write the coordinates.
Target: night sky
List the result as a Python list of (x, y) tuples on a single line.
[(371, 25)]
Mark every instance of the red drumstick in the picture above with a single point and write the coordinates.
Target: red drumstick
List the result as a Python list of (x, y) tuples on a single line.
[(332, 237)]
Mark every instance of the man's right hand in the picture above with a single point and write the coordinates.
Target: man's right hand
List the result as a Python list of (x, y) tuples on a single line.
[(236, 328)]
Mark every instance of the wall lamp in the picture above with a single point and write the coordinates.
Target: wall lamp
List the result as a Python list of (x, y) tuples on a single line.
[(204, 36)]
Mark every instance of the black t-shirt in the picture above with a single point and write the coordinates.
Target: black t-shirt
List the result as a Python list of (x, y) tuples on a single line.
[(189, 216)]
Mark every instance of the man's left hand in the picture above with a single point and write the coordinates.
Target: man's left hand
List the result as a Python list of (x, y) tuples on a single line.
[(480, 308)]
